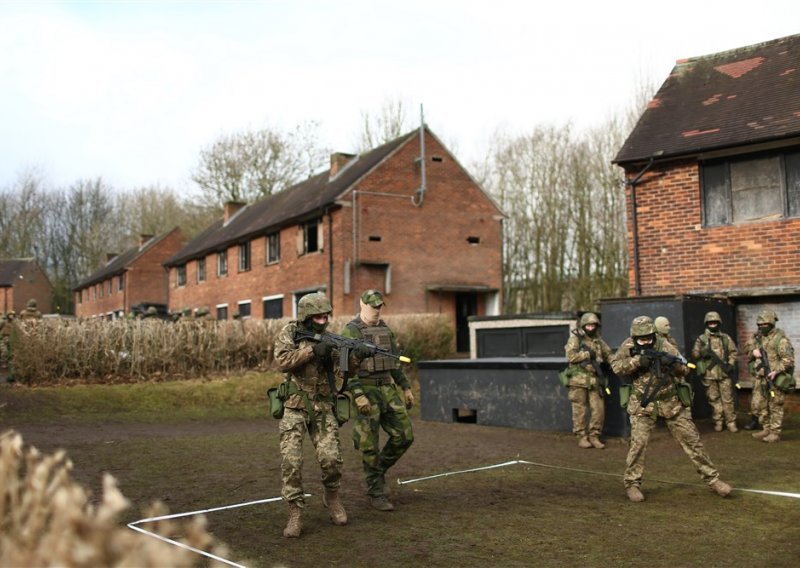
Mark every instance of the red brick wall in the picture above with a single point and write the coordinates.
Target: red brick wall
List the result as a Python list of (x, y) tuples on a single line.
[(34, 284), (423, 245), (677, 255)]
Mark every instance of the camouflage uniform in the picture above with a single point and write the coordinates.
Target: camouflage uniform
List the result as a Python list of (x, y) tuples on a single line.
[(663, 328), (7, 329), (31, 311), (585, 388), (664, 403), (767, 403), (718, 383), (378, 379)]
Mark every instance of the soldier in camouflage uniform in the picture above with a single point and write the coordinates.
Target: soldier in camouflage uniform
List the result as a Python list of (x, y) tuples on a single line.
[(31, 311), (379, 401), (769, 391), (586, 351), (658, 377), (309, 410), (715, 353)]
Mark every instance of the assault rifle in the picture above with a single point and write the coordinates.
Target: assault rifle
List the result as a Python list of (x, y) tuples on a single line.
[(659, 358), (765, 365), (602, 378), (726, 367), (345, 345)]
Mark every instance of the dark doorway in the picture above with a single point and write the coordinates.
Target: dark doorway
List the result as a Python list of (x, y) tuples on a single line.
[(466, 305)]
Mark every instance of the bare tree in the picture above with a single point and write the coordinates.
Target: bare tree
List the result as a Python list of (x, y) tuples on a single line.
[(21, 215), (251, 164), (389, 122)]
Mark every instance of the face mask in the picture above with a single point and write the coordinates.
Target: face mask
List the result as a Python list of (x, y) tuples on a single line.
[(765, 328), (645, 340), (713, 326), (590, 331), (317, 326)]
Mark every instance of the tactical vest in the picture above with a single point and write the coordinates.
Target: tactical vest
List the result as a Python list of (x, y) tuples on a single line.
[(378, 366)]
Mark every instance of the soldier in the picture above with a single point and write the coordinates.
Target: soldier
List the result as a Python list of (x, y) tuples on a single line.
[(663, 328), (379, 402), (715, 353), (586, 352), (656, 371), (308, 409), (771, 362), (31, 311), (7, 325)]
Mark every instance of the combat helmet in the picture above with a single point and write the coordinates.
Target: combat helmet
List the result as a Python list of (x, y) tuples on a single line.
[(589, 317), (313, 304), (767, 316), (642, 325), (712, 316), (32, 304)]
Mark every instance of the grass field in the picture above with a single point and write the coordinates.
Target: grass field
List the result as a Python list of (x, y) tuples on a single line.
[(205, 444)]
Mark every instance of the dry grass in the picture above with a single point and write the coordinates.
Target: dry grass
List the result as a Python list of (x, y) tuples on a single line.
[(47, 519), (97, 351)]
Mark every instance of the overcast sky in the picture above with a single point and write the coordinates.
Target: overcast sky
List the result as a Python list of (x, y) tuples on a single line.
[(131, 91)]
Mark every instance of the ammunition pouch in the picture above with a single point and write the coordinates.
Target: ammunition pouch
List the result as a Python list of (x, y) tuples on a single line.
[(342, 408), (785, 382), (277, 396), (624, 395), (685, 393), (565, 375)]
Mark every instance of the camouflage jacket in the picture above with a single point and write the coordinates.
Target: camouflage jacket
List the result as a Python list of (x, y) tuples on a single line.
[(582, 372), (780, 353), (352, 330), (719, 343)]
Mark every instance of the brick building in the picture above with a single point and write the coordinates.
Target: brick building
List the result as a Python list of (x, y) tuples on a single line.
[(405, 218), (713, 184), (133, 278), (22, 279)]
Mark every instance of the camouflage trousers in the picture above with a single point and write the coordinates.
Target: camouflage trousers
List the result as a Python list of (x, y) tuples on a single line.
[(720, 397), (388, 412), (584, 399), (767, 408), (682, 429), (324, 434)]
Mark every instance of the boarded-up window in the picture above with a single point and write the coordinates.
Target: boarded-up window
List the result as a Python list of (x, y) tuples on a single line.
[(756, 189)]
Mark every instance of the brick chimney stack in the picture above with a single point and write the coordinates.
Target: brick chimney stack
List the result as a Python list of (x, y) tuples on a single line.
[(338, 161), (231, 207)]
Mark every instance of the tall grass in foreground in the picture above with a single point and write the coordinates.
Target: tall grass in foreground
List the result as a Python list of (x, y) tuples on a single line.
[(47, 519), (99, 351)]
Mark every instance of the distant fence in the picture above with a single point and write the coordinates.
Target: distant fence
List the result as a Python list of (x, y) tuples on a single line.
[(99, 351)]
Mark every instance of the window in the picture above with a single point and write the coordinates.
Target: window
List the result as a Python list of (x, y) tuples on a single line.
[(99, 288), (110, 285), (245, 309), (121, 283), (244, 257), (309, 237), (80, 297), (222, 263), (201, 269), (222, 312), (180, 277), (751, 189), (273, 307), (273, 248)]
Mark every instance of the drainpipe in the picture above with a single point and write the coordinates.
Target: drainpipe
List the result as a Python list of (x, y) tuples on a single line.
[(330, 254), (637, 285)]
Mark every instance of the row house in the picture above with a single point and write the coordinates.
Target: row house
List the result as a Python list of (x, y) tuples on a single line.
[(135, 278), (22, 280), (405, 218), (713, 184)]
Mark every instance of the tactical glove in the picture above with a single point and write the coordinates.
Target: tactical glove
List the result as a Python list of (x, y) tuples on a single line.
[(644, 361), (362, 402), (323, 350), (363, 351), (409, 398)]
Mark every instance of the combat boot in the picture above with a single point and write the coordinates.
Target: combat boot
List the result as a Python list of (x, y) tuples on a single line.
[(381, 503), (294, 525), (761, 434), (335, 508), (584, 442), (635, 494), (732, 427), (771, 438), (753, 424), (596, 443), (718, 426), (720, 488)]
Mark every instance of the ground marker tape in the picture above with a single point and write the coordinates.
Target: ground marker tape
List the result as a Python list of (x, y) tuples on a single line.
[(550, 466), (133, 526)]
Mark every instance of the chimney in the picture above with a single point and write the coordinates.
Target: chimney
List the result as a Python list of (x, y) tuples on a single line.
[(231, 207), (110, 256), (338, 161), (143, 240)]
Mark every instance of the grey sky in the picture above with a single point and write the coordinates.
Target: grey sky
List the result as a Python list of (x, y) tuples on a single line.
[(130, 91)]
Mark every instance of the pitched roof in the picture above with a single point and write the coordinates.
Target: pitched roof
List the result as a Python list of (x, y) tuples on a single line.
[(10, 270), (287, 206), (742, 96), (119, 263)]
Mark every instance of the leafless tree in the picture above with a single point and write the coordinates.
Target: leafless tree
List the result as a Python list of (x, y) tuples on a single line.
[(390, 121)]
